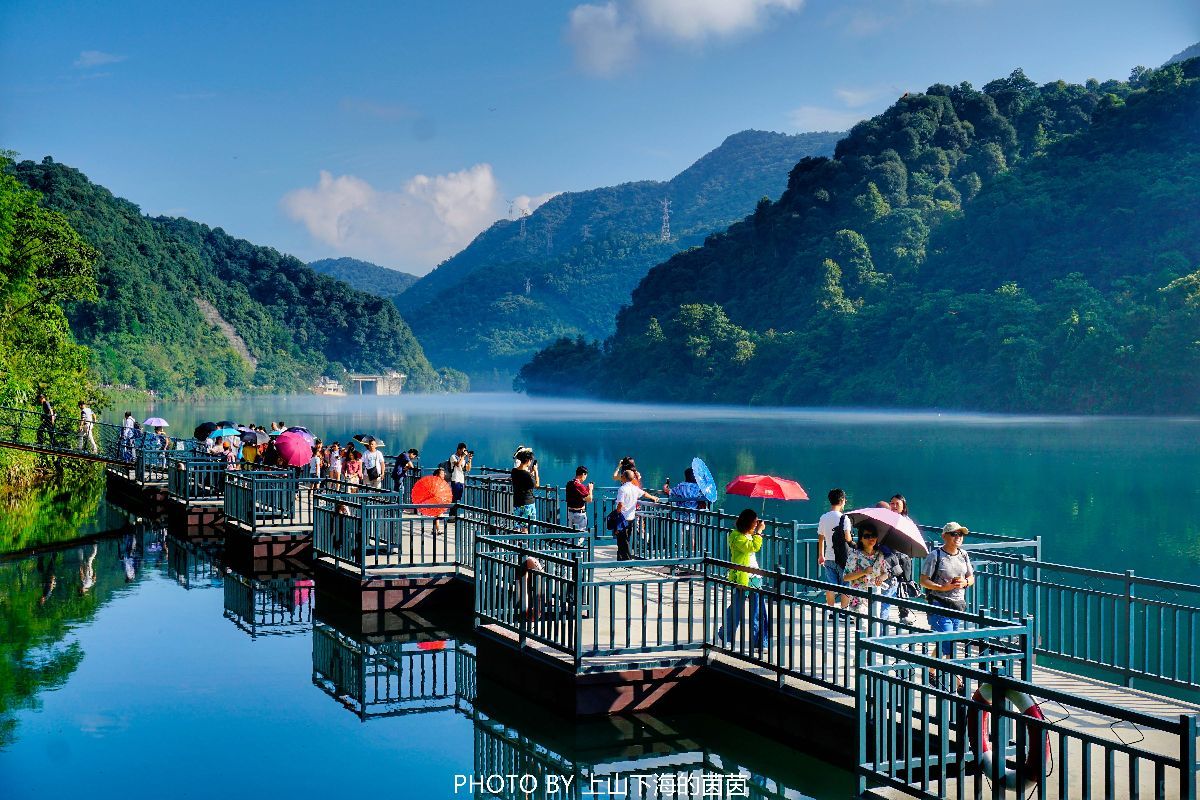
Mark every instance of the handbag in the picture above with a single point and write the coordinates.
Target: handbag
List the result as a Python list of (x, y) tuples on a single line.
[(373, 473)]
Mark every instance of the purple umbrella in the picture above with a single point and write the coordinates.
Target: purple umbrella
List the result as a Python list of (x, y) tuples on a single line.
[(156, 422), (293, 449), (895, 530)]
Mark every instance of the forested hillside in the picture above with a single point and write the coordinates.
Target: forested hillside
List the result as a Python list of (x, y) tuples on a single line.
[(487, 309), (186, 309), (365, 276), (1019, 248)]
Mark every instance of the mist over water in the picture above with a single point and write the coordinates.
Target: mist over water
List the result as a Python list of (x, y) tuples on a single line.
[(1104, 492)]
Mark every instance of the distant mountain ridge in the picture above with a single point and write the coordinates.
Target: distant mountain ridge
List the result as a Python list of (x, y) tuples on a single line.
[(1019, 248), (365, 276), (487, 309), (185, 309)]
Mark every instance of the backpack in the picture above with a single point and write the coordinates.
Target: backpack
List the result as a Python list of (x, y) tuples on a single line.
[(841, 548), (956, 605)]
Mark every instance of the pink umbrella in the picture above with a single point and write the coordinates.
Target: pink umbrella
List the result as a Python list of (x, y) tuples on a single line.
[(895, 530), (294, 450)]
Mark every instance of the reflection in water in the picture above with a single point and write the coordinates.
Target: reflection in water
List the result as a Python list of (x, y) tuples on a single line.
[(273, 606), (419, 667), (194, 563)]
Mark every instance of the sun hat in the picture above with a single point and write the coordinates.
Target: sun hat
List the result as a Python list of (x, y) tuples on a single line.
[(954, 527)]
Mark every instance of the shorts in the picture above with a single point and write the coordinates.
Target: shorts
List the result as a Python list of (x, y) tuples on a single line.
[(526, 512), (832, 573), (577, 520)]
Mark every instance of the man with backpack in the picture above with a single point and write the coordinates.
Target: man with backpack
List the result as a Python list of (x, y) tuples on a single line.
[(833, 545), (946, 575)]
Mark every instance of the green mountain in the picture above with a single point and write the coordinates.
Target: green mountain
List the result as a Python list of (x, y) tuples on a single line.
[(567, 269), (365, 276), (184, 308), (1189, 52), (1020, 248)]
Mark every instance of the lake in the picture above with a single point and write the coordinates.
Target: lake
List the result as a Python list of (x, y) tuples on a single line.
[(127, 670)]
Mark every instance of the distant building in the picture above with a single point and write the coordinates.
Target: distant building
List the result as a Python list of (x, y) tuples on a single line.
[(389, 383), (328, 386)]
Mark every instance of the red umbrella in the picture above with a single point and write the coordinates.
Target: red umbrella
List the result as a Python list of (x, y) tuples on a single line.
[(431, 490), (768, 487), (295, 451)]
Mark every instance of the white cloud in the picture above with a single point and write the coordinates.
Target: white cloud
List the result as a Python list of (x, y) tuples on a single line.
[(603, 42), (428, 220), (524, 202), (605, 37), (858, 97), (820, 118), (89, 59), (693, 20)]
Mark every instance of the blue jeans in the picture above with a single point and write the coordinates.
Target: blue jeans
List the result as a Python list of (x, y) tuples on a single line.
[(456, 491), (760, 618), (945, 625)]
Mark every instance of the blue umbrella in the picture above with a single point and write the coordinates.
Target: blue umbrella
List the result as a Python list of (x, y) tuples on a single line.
[(704, 479), (221, 433)]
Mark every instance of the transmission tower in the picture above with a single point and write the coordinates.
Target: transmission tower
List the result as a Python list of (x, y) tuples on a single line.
[(587, 232), (524, 214), (528, 285), (666, 220)]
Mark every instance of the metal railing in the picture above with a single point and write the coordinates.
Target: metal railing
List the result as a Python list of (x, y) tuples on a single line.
[(278, 606), (534, 594), (1121, 623), (393, 677), (266, 498), (195, 477), (925, 737), (66, 435), (373, 530), (785, 625), (493, 491), (641, 611), (191, 565)]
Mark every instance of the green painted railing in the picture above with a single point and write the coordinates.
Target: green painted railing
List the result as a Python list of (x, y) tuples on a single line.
[(66, 435), (266, 498), (493, 491), (919, 737), (192, 565), (195, 477), (374, 529)]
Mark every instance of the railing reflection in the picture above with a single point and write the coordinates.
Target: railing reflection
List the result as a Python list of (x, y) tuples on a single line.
[(271, 606), (418, 669)]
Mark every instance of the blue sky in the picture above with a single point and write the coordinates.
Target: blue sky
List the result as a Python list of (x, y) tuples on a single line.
[(396, 131)]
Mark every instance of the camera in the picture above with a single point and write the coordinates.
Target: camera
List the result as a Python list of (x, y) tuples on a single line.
[(470, 452), (535, 462)]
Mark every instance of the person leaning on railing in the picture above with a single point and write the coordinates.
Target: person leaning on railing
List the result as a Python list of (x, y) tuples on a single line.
[(45, 430)]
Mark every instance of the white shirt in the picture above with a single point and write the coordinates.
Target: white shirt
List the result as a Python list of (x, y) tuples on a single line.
[(373, 458), (86, 414), (825, 527), (127, 422), (628, 496), (457, 463)]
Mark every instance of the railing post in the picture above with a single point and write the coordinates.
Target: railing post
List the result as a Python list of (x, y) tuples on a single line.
[(522, 599), (1027, 669), (1131, 622), (861, 701), (779, 611), (872, 613), (1187, 757), (578, 612)]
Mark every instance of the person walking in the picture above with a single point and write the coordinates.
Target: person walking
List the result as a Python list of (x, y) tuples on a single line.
[(628, 497), (579, 494), (946, 575), (745, 541), (45, 429), (87, 421), (525, 479), (373, 465), (352, 469), (901, 562), (868, 568), (833, 546), (460, 465)]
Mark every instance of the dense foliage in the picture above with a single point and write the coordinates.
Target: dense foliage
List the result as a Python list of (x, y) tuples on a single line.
[(1016, 248), (186, 309), (487, 309), (43, 263), (365, 276)]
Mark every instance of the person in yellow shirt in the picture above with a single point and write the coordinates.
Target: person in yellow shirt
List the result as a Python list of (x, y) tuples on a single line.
[(745, 540)]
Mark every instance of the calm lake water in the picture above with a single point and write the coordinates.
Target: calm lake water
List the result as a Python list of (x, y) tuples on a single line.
[(132, 667)]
